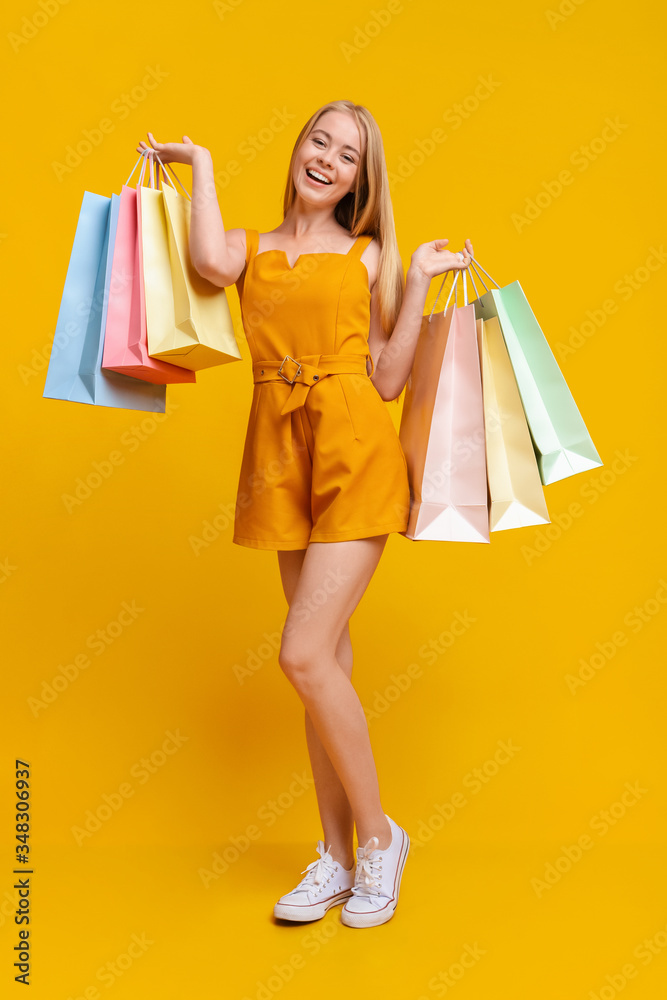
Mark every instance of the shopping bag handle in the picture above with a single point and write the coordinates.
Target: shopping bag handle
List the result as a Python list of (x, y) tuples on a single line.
[(155, 180), (475, 263), (169, 178), (438, 295), (143, 156), (473, 268), (452, 289), (163, 176)]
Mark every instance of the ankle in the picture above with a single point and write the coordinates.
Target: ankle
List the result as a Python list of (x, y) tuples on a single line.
[(346, 862), (383, 834)]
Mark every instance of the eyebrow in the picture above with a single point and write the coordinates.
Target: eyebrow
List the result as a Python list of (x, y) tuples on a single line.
[(347, 146)]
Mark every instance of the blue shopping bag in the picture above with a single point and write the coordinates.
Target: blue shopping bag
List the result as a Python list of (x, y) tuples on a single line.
[(74, 371)]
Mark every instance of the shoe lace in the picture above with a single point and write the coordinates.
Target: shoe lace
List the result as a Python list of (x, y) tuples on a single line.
[(368, 881), (318, 871)]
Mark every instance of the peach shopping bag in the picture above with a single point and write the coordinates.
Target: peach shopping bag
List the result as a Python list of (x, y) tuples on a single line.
[(442, 429)]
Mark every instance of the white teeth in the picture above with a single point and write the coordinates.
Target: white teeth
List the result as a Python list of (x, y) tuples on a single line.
[(319, 176)]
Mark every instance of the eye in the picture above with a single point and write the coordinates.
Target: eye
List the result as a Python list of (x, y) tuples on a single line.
[(349, 158)]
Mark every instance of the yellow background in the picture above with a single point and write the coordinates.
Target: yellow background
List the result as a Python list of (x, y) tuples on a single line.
[(470, 881)]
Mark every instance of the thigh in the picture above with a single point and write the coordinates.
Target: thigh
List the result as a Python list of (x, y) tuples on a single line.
[(332, 579), (290, 562)]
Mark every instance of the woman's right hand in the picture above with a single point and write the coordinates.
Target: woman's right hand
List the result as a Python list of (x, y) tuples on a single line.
[(171, 152)]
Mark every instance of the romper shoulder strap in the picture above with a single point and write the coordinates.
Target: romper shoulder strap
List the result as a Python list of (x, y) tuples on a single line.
[(359, 246), (251, 244)]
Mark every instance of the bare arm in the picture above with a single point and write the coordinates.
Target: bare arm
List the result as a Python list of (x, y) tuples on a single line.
[(217, 255), (396, 353), (396, 357)]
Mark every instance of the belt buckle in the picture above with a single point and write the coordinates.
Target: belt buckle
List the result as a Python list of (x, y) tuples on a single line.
[(288, 358)]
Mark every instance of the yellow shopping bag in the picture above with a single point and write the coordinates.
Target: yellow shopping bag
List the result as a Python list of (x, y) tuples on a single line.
[(515, 488), (202, 334)]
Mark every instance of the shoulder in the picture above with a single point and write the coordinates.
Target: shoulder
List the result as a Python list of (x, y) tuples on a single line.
[(236, 238), (371, 258), (240, 246), (372, 251)]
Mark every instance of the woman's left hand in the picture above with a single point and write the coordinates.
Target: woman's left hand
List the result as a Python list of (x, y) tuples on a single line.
[(432, 258)]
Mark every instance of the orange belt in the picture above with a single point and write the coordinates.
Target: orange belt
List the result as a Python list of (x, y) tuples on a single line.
[(304, 372)]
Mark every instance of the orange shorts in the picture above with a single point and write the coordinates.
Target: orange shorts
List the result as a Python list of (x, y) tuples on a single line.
[(329, 471)]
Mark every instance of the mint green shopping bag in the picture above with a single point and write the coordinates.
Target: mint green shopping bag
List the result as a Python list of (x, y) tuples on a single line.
[(562, 444)]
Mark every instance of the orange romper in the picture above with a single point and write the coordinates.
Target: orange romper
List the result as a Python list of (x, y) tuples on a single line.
[(322, 461)]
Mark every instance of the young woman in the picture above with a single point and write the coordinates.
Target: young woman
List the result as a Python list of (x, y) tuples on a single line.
[(323, 477)]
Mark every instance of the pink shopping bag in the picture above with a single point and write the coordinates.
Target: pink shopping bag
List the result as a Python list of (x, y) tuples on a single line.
[(125, 339)]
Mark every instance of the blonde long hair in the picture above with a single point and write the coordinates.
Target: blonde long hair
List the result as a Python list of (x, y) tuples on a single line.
[(367, 209)]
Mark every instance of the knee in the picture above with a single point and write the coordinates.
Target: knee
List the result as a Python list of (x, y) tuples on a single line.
[(298, 661)]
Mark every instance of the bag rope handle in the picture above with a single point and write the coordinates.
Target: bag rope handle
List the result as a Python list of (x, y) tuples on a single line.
[(452, 289), (142, 173), (169, 178), (479, 267), (147, 154), (465, 287)]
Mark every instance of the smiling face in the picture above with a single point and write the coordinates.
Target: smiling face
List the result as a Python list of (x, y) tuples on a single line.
[(331, 150)]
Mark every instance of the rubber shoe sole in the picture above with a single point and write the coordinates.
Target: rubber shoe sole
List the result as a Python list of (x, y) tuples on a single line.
[(315, 911)]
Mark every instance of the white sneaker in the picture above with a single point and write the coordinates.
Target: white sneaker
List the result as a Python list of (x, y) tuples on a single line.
[(326, 884), (377, 880)]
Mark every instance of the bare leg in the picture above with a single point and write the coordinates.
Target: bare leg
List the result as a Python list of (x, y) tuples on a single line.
[(332, 580), (333, 804)]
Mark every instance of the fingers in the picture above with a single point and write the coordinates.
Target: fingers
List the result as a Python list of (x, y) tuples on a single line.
[(153, 148), (465, 255)]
